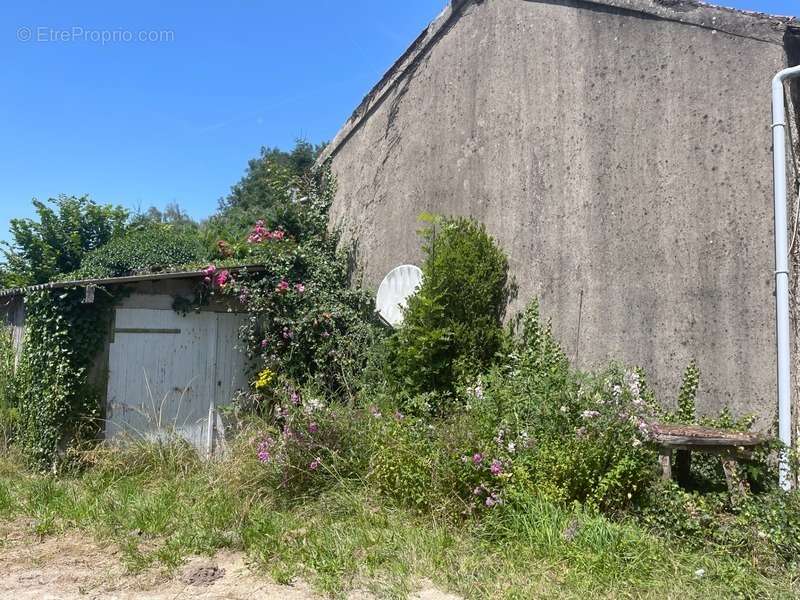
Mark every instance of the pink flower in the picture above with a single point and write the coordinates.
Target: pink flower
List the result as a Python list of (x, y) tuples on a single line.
[(264, 344), (277, 235), (477, 458), (209, 270), (299, 288), (259, 233), (315, 464), (287, 333), (295, 398), (496, 468), (222, 278), (283, 286)]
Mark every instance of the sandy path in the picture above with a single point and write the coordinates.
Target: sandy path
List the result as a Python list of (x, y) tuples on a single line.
[(72, 567)]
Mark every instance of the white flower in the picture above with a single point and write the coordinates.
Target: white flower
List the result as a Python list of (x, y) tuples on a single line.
[(633, 383), (589, 414), (700, 573), (311, 405), (636, 442), (512, 447), (564, 409)]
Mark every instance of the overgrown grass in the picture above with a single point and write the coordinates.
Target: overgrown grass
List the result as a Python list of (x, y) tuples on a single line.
[(159, 504)]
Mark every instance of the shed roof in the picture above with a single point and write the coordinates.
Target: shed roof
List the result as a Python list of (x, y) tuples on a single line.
[(692, 13), (123, 280)]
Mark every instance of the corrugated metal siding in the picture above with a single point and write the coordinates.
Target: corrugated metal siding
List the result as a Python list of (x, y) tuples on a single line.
[(165, 370)]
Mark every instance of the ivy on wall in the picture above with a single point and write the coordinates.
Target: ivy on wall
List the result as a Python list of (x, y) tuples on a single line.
[(56, 403)]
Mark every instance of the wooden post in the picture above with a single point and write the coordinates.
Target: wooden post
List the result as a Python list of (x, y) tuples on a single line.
[(665, 458)]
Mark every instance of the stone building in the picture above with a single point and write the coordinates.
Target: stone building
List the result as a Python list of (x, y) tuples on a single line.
[(618, 150)]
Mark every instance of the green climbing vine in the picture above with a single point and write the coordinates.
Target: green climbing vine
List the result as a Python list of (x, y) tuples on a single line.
[(687, 396), (57, 405)]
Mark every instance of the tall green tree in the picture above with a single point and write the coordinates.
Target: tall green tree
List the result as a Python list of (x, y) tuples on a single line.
[(257, 188), (55, 242), (272, 184), (172, 215)]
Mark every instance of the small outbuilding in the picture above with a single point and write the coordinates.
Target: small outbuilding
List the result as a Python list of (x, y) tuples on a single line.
[(162, 369)]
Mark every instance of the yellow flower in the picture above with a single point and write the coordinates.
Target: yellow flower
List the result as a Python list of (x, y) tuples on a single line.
[(264, 379)]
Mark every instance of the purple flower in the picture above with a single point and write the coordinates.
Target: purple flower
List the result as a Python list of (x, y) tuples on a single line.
[(313, 427), (315, 464), (263, 344), (496, 468), (494, 500), (295, 398), (398, 415), (264, 448), (477, 458), (375, 412)]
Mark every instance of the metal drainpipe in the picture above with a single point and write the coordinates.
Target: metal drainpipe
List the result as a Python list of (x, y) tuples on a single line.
[(782, 267)]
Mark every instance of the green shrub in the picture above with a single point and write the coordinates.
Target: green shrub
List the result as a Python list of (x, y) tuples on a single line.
[(764, 527), (155, 248), (452, 327)]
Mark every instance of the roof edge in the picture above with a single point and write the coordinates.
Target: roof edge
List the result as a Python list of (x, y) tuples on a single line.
[(747, 24), (53, 285)]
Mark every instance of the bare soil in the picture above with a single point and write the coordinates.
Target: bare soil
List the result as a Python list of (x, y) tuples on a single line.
[(72, 566)]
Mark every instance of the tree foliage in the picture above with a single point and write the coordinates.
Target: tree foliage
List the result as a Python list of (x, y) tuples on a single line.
[(66, 229)]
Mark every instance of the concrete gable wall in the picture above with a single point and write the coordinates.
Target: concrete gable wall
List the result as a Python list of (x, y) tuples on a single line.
[(622, 160)]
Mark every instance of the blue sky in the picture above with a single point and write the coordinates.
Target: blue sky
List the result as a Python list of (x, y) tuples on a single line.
[(143, 123)]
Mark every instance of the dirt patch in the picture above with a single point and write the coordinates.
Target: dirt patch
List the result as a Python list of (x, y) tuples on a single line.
[(202, 575), (72, 567)]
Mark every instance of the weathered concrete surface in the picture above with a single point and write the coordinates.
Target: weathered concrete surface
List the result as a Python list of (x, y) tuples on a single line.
[(619, 156)]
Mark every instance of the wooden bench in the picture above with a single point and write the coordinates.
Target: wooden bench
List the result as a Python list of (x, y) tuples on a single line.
[(683, 439)]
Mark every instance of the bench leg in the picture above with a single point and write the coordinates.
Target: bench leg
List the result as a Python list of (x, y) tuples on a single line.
[(683, 466), (665, 459)]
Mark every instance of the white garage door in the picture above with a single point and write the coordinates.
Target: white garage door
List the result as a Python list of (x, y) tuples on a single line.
[(167, 370)]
